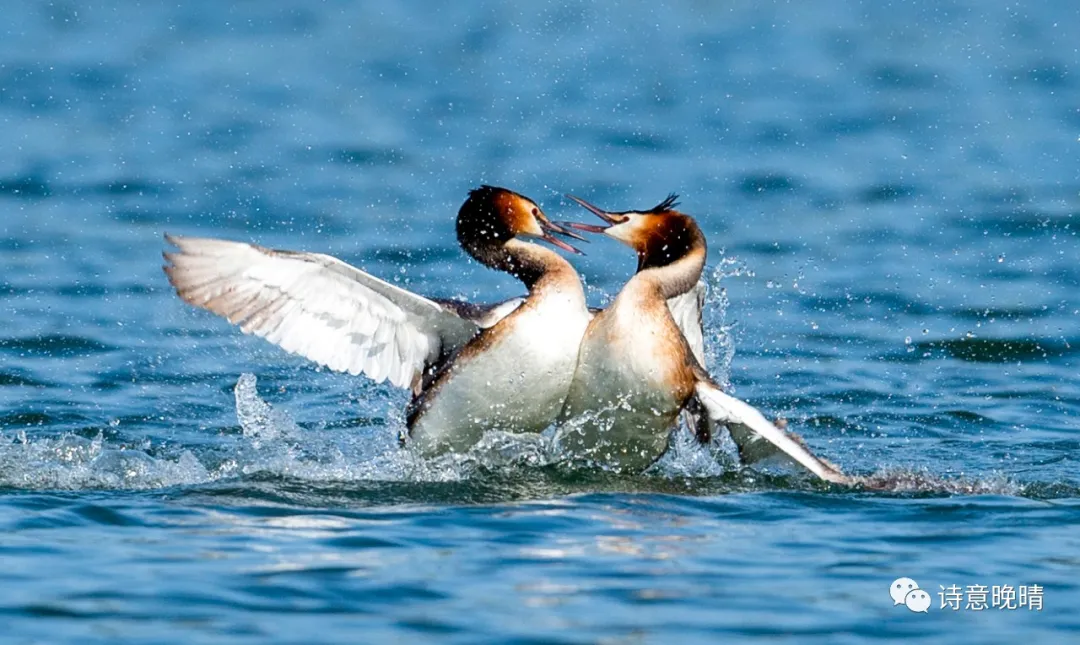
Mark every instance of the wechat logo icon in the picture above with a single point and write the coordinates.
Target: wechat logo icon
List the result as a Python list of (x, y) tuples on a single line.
[(905, 591)]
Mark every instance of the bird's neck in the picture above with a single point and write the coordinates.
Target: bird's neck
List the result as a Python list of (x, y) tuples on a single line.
[(537, 267), (672, 279)]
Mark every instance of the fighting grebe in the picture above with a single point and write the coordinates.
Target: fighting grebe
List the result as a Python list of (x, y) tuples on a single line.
[(470, 368), (636, 370)]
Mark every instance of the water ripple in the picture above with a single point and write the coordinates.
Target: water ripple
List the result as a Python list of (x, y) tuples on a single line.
[(889, 194), (54, 346)]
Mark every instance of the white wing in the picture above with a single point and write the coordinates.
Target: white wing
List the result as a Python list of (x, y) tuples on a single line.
[(727, 409), (323, 309), (686, 310)]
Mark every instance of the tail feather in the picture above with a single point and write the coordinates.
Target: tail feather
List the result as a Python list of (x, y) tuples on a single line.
[(728, 410)]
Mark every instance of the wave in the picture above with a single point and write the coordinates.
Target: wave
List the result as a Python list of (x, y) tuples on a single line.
[(274, 457), (269, 446)]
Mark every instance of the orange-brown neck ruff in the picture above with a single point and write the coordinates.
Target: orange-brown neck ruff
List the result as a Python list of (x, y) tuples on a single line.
[(671, 253), (490, 216), (668, 238), (486, 227)]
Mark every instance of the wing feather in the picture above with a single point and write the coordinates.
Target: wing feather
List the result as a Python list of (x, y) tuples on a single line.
[(724, 408), (321, 308), (686, 310)]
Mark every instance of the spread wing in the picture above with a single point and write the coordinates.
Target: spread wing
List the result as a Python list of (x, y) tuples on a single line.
[(753, 447), (323, 309), (723, 408)]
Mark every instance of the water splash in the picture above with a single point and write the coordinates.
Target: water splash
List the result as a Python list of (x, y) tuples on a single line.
[(73, 462), (687, 457), (267, 449), (259, 420), (719, 343), (279, 446), (900, 481), (272, 444)]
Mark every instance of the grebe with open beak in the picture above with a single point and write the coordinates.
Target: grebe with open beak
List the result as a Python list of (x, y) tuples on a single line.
[(636, 370), (471, 368)]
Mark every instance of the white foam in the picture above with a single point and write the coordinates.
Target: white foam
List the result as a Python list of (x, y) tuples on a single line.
[(896, 480), (258, 419), (71, 462), (272, 443)]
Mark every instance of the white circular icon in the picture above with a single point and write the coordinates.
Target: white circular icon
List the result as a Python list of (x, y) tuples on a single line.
[(917, 600), (900, 588)]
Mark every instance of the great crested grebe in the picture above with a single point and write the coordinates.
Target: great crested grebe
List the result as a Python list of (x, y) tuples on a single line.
[(470, 368), (636, 370)]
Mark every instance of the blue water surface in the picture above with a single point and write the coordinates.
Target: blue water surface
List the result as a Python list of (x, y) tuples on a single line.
[(890, 192)]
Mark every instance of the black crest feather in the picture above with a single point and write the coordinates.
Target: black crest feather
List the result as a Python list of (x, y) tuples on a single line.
[(669, 203)]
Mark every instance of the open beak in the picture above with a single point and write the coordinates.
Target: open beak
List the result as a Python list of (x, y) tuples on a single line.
[(551, 227), (611, 218)]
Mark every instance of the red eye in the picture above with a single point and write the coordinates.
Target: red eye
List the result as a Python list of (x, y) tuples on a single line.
[(536, 211)]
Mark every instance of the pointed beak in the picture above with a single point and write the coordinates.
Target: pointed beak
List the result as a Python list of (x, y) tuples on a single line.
[(558, 227), (551, 227), (611, 218)]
